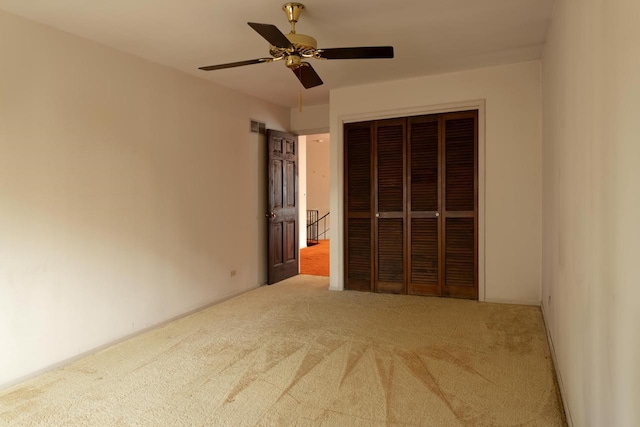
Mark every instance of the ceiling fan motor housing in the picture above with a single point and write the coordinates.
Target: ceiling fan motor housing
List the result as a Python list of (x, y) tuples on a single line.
[(293, 11), (303, 45)]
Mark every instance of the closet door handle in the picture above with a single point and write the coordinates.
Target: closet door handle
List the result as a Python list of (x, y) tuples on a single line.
[(378, 215), (437, 214)]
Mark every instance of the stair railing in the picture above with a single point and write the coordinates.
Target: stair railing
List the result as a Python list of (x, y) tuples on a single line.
[(317, 228)]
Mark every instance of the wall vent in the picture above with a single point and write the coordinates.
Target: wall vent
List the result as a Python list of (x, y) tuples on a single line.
[(258, 127)]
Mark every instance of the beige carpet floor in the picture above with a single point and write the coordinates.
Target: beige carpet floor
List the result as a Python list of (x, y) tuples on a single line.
[(297, 354)]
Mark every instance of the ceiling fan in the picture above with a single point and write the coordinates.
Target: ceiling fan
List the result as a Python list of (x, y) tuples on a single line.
[(294, 48)]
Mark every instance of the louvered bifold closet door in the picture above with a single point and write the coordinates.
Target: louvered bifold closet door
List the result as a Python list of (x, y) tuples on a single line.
[(358, 206), (424, 206), (460, 208), (390, 202)]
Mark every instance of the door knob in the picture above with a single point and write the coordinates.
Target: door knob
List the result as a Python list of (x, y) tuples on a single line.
[(270, 215)]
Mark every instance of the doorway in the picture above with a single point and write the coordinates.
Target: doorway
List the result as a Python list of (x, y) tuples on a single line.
[(315, 215)]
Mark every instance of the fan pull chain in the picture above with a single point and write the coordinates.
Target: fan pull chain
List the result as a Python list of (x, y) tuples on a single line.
[(300, 100)]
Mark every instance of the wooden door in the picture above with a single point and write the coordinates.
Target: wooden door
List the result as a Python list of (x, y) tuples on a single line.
[(411, 192), (390, 201), (282, 206), (459, 235), (424, 205), (358, 190)]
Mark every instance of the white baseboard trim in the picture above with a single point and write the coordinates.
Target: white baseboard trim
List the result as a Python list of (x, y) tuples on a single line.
[(563, 394), (513, 301), (119, 340)]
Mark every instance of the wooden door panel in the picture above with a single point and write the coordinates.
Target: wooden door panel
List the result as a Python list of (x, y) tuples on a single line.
[(390, 202), (282, 207), (277, 240), (460, 256), (358, 156), (459, 234), (424, 165), (359, 266), (460, 159), (290, 185), (424, 276), (276, 189), (390, 167), (424, 189), (459, 252), (358, 160), (289, 236), (390, 262), (290, 147)]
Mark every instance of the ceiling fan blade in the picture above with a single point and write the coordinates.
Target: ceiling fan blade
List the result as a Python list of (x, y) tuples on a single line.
[(235, 64), (358, 52), (272, 34), (307, 76)]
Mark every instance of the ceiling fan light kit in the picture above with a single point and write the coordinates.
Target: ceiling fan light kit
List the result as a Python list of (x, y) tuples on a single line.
[(294, 47)]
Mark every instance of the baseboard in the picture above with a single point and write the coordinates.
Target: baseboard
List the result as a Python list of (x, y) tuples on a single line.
[(563, 394), (121, 339), (513, 301)]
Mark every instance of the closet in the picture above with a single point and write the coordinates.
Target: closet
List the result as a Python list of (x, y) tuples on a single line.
[(411, 205)]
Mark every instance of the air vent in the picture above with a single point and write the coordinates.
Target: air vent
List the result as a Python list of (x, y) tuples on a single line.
[(258, 127)]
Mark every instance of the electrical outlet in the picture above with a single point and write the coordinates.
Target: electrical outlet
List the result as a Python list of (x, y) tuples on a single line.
[(233, 273)]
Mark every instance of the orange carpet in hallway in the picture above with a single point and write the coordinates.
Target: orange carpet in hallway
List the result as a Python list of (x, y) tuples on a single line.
[(314, 259)]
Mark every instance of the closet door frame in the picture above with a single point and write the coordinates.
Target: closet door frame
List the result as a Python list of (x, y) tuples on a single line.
[(338, 247)]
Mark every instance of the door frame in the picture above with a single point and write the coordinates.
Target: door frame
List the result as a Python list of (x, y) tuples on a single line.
[(337, 202)]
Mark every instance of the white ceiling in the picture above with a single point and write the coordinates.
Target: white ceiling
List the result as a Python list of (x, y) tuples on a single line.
[(318, 138), (429, 36)]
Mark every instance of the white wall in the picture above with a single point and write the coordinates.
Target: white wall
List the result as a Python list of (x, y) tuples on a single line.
[(591, 206), (128, 193), (511, 170), (318, 184), (312, 119), (302, 192)]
